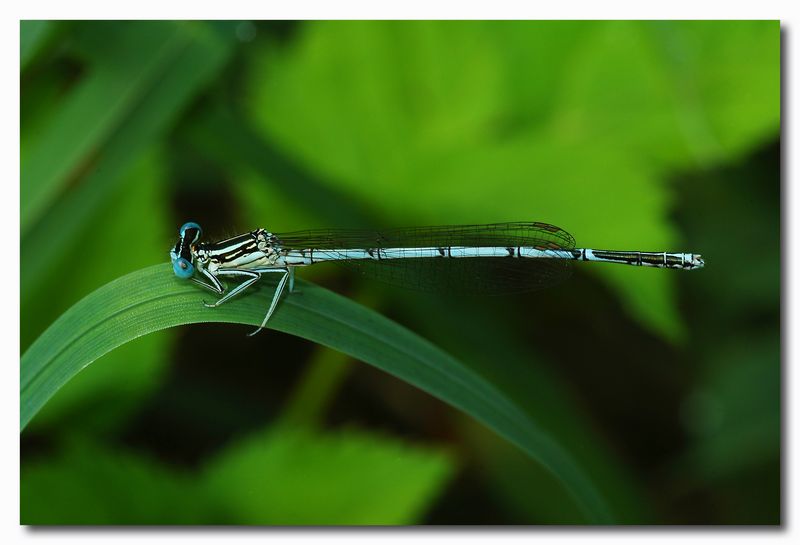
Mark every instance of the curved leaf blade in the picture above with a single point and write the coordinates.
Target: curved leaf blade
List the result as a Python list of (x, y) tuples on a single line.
[(153, 299)]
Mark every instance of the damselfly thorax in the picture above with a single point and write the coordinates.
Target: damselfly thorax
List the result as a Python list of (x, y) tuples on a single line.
[(493, 258), (253, 250)]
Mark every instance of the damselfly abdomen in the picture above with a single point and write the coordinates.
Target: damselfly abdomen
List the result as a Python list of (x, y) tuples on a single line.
[(493, 258)]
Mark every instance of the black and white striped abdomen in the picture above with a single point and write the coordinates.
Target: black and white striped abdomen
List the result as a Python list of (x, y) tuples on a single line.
[(663, 260)]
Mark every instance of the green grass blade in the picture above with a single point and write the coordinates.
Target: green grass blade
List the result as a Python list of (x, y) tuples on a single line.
[(153, 299)]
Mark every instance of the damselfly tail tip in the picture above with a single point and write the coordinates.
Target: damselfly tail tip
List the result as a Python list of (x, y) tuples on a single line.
[(697, 261)]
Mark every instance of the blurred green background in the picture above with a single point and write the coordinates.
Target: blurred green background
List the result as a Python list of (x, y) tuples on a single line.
[(663, 385)]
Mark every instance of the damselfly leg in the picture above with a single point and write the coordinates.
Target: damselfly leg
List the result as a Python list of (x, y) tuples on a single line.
[(287, 273), (252, 278), (215, 285)]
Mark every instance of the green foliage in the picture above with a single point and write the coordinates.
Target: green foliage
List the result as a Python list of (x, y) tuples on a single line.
[(278, 477), (88, 483), (289, 477)]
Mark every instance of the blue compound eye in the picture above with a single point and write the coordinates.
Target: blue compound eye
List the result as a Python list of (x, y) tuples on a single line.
[(182, 268), (190, 225)]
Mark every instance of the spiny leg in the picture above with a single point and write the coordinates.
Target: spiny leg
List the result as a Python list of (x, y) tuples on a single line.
[(252, 279), (275, 298), (215, 285)]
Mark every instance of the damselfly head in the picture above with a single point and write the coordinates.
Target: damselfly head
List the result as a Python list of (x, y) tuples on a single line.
[(182, 254)]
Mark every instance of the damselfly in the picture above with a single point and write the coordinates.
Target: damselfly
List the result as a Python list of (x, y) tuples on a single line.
[(494, 258)]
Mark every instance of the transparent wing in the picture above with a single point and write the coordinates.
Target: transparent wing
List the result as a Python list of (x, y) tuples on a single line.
[(492, 234), (493, 275)]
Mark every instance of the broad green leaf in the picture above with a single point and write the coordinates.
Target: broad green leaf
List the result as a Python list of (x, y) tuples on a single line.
[(153, 299), (294, 477), (203, 51), (87, 483), (678, 94), (578, 124)]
